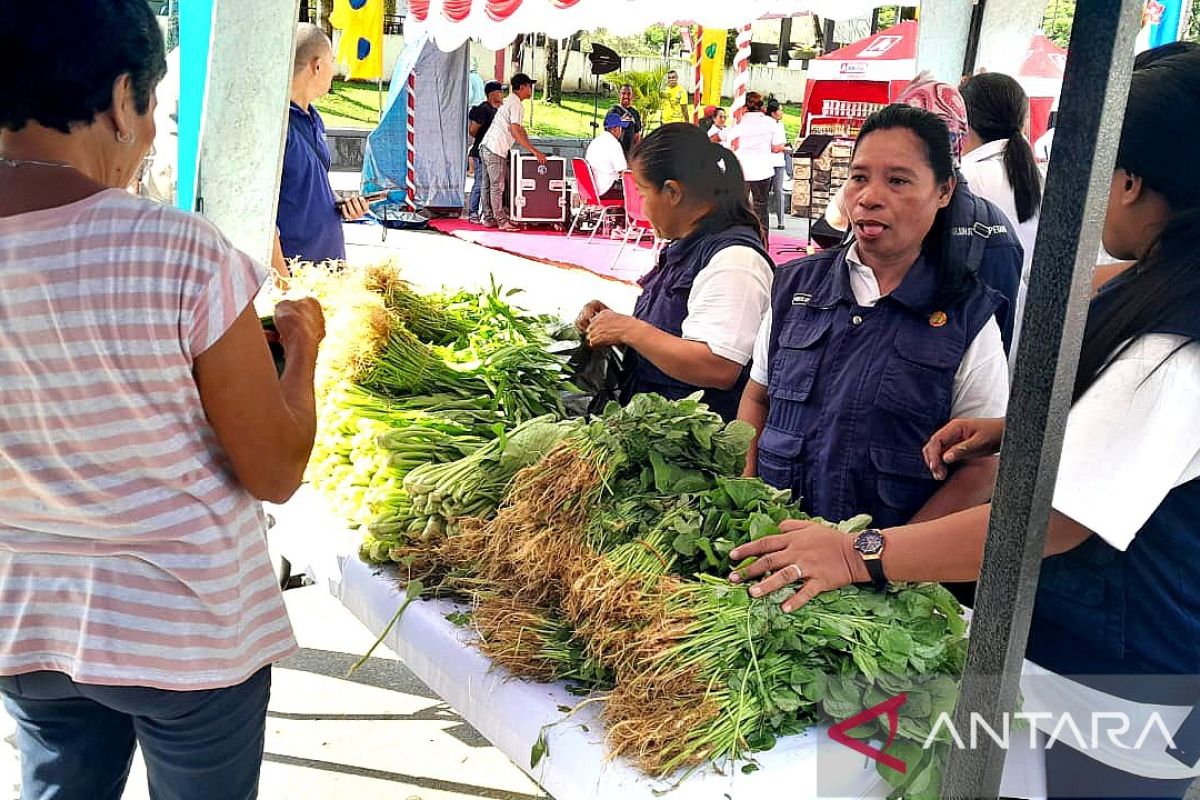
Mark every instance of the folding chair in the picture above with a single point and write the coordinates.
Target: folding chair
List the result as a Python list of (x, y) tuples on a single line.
[(585, 182), (636, 223)]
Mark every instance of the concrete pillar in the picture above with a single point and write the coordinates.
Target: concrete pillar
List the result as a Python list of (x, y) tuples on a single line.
[(1008, 25), (245, 119), (942, 37)]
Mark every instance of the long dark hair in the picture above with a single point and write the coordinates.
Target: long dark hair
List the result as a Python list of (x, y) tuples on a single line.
[(683, 153), (955, 279), (1165, 282), (996, 109)]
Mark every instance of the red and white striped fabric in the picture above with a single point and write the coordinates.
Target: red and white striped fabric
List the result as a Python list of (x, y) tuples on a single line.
[(129, 553)]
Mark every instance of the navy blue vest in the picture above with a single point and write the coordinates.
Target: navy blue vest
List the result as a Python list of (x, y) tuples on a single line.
[(1100, 611), (663, 303), (856, 392)]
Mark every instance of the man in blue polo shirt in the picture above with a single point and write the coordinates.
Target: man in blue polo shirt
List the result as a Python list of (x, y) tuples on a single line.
[(310, 217)]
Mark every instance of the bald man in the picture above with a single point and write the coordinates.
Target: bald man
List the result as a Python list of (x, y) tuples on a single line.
[(310, 216)]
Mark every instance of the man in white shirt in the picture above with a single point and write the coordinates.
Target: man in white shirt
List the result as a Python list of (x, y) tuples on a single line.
[(508, 127), (606, 157)]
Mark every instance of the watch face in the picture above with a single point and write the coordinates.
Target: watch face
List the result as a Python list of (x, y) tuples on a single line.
[(869, 542)]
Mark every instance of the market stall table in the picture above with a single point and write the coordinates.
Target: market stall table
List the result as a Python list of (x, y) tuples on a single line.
[(511, 713)]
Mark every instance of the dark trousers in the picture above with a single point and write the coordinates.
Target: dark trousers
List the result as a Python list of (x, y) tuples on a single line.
[(77, 740), (1072, 774), (760, 192)]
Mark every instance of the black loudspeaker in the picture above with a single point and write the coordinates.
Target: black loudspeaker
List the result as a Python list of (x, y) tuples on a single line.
[(604, 60)]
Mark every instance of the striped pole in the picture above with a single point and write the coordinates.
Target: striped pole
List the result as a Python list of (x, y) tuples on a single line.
[(698, 77), (742, 61), (411, 177), (742, 80)]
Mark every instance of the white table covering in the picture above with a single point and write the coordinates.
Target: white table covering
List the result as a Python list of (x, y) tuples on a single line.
[(511, 713)]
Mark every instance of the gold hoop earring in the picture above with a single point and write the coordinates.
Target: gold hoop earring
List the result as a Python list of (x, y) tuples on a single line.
[(125, 137)]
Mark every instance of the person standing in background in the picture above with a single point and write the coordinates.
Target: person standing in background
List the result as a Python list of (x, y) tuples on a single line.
[(508, 127), (633, 133), (479, 121), (310, 216), (999, 165), (779, 159), (756, 139), (675, 102)]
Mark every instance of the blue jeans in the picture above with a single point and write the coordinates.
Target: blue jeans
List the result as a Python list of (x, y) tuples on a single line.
[(77, 740), (476, 187)]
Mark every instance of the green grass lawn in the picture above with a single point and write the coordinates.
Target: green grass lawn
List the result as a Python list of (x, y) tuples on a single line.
[(356, 105)]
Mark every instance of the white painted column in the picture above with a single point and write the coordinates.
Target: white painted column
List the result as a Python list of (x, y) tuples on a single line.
[(245, 119), (942, 37), (1008, 26)]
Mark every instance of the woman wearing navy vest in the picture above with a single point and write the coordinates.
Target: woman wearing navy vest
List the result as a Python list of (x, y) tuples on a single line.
[(1118, 603), (693, 326), (870, 348)]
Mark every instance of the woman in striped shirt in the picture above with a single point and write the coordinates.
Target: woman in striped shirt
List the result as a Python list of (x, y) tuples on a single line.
[(141, 422)]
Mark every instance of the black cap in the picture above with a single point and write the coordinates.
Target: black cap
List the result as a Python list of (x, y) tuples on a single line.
[(492, 86), (521, 79)]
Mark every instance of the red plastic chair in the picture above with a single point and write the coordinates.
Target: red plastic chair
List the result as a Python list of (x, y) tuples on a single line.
[(637, 225), (585, 182)]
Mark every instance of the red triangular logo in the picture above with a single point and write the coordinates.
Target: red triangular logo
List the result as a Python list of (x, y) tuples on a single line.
[(840, 733)]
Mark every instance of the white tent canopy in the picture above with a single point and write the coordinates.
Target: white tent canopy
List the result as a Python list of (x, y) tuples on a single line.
[(496, 23)]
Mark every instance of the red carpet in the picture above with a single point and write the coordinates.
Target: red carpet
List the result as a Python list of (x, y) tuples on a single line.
[(554, 247)]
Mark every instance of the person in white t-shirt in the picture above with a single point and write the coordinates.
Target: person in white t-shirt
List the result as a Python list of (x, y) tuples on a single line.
[(1118, 594), (756, 139), (606, 157), (693, 327), (508, 128), (999, 165), (780, 160), (714, 124)]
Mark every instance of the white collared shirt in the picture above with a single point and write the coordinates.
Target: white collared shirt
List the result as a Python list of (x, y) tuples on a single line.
[(983, 168), (755, 135), (981, 381), (607, 160)]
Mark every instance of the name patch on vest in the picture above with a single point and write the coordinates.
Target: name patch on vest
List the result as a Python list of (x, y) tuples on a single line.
[(801, 299)]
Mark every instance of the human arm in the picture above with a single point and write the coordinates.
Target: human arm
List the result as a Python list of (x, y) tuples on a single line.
[(473, 128), (689, 361), (1129, 441), (266, 424), (980, 391), (949, 549), (278, 262), (753, 408), (518, 131)]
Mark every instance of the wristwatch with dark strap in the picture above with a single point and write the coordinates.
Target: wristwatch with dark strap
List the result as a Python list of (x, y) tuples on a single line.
[(869, 545)]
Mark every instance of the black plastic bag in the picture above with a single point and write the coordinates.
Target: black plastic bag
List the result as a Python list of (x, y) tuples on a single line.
[(597, 373)]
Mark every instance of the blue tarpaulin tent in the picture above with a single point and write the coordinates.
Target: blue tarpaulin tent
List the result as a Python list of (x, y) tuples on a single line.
[(439, 87)]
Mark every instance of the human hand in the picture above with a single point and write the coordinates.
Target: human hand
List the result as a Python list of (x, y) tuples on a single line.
[(300, 324), (822, 557), (961, 440), (353, 208), (608, 328), (540, 156), (585, 316)]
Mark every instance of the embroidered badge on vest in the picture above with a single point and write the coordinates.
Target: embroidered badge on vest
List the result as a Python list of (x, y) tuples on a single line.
[(801, 299), (937, 319)]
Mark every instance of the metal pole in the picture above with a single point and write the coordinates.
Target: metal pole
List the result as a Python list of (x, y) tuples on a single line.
[(1095, 88)]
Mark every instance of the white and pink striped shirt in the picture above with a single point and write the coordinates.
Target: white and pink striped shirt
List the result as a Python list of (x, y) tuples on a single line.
[(129, 553)]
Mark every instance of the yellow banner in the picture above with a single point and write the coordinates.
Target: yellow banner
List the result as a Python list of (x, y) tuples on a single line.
[(361, 46), (712, 65)]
